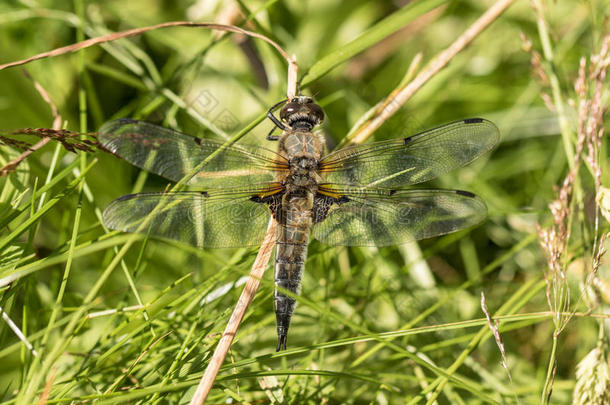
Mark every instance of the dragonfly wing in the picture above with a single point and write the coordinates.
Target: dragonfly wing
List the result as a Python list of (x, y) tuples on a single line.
[(383, 217), (173, 155), (411, 160), (230, 219)]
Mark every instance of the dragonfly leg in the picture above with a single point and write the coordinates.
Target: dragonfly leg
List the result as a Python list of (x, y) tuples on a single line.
[(271, 137), (272, 117), (278, 123)]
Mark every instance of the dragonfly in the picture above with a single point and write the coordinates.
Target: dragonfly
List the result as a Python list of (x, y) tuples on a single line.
[(354, 196)]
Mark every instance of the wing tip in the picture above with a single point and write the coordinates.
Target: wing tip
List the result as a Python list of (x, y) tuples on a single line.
[(107, 133), (493, 131), (125, 197), (110, 126), (465, 193)]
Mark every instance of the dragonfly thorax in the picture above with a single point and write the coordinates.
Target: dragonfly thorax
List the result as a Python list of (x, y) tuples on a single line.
[(296, 182), (303, 164), (303, 151)]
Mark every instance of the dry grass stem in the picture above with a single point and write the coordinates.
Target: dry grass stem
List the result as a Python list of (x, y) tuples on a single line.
[(138, 31), (589, 130), (493, 326), (566, 208), (44, 397), (256, 274), (397, 100), (12, 165), (291, 88)]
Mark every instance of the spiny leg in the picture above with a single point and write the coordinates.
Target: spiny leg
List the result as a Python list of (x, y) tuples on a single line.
[(270, 136), (278, 123)]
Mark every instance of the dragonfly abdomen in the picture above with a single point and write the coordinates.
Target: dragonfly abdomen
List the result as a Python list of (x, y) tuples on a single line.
[(291, 252)]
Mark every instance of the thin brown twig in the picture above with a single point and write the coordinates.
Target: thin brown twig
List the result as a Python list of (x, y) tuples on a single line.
[(12, 165), (291, 89), (44, 397), (495, 330), (138, 31), (256, 274), (395, 101)]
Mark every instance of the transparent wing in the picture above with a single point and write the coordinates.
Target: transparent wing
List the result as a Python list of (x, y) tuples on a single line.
[(390, 217), (172, 154), (411, 160), (227, 219)]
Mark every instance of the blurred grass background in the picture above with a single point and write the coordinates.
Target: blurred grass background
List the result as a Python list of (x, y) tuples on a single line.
[(118, 354)]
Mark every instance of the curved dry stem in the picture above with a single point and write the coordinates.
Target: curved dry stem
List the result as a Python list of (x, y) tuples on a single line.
[(137, 31), (12, 165), (398, 98)]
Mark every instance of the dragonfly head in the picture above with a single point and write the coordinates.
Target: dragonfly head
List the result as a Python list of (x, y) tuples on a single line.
[(302, 112)]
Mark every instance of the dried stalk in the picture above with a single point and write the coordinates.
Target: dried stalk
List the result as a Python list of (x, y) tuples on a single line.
[(138, 31), (247, 295), (12, 165), (396, 100)]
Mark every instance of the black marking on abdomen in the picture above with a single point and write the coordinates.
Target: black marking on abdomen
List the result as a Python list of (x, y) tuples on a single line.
[(288, 243), (289, 260)]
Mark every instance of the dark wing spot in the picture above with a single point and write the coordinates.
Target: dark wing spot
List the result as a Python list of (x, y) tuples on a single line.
[(128, 121), (126, 197), (407, 140), (205, 194), (473, 120), (274, 202), (391, 192), (323, 203), (197, 141), (465, 193)]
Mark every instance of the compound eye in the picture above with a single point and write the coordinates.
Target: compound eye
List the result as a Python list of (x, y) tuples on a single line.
[(317, 111), (288, 110)]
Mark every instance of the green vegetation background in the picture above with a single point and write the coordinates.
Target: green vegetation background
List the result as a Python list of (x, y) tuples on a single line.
[(158, 355)]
